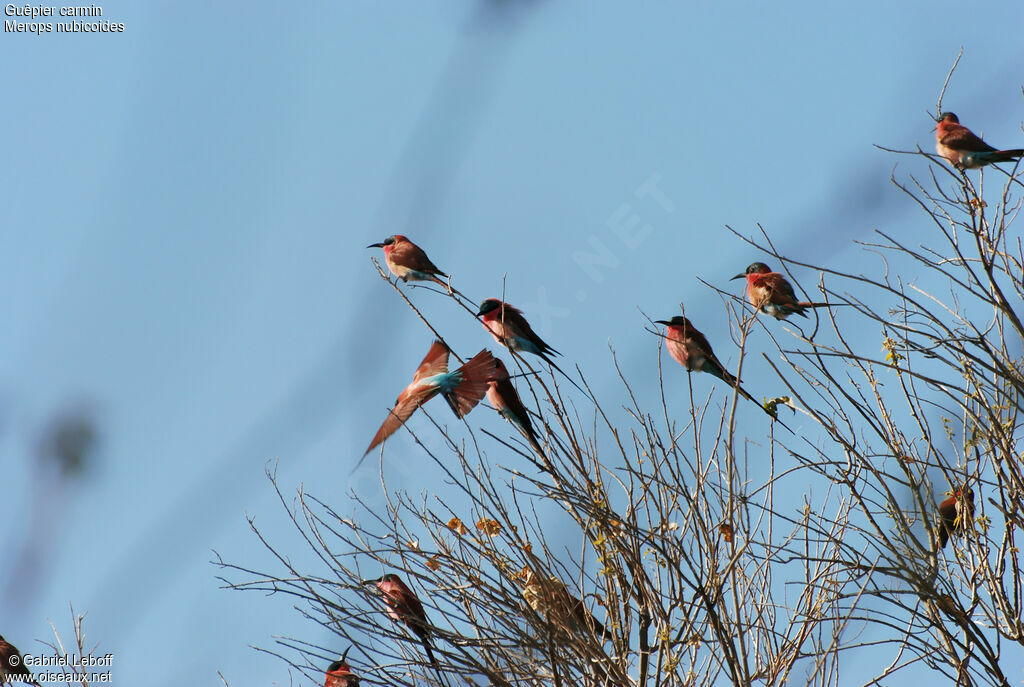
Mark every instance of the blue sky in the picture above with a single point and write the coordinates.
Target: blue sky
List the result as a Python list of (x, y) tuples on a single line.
[(188, 204)]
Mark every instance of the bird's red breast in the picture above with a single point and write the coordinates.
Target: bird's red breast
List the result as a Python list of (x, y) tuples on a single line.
[(402, 603)]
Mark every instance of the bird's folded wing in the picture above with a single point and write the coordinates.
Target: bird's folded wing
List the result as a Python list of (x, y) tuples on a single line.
[(965, 139)]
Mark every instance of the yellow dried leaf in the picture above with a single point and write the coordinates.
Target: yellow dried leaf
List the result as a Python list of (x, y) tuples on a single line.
[(433, 563)]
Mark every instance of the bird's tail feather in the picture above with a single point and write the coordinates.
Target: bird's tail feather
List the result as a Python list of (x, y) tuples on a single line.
[(551, 362), (433, 661), (1007, 155), (476, 374), (531, 437), (724, 375), (774, 416), (448, 287), (808, 304)]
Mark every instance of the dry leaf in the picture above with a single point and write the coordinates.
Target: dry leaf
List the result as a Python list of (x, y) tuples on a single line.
[(433, 563), (726, 530), (456, 524), (489, 527)]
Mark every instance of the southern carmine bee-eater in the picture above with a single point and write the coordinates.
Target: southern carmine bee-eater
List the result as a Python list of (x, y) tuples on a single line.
[(509, 328), (406, 608), (12, 666), (772, 294), (954, 513), (965, 150), (691, 349), (408, 262), (462, 388), (339, 674), (505, 399)]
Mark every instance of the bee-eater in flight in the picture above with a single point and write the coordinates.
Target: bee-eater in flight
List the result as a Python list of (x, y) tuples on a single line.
[(12, 666), (406, 608), (509, 328), (772, 294), (340, 675), (408, 262), (965, 150), (505, 399), (954, 513), (462, 388)]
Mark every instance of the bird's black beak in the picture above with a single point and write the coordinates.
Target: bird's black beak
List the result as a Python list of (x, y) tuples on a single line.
[(346, 653), (738, 276), (370, 581), (662, 322), (480, 312), (376, 245)]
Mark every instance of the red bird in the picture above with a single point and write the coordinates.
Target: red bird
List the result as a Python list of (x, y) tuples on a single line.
[(407, 261), (339, 675), (505, 399), (462, 388), (963, 149), (509, 328), (691, 349), (12, 666), (405, 607), (953, 519), (770, 293)]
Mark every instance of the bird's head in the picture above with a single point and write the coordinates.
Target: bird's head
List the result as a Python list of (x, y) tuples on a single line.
[(948, 117), (383, 579), (500, 371), (677, 321), (340, 666), (389, 241), (753, 268), (490, 305)]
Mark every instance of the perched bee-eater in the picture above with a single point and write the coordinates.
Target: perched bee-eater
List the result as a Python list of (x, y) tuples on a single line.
[(691, 349), (340, 675), (954, 513), (408, 262), (772, 294), (965, 150), (505, 399), (406, 608), (509, 328)]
